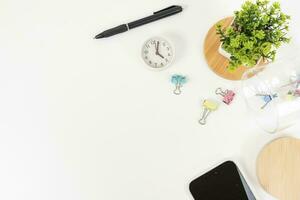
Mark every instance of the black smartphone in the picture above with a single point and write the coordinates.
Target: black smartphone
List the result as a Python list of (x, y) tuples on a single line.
[(225, 182)]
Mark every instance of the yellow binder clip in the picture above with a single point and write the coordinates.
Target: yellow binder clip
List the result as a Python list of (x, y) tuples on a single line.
[(208, 107)]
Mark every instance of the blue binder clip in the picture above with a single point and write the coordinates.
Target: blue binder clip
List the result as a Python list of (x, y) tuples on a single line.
[(178, 81)]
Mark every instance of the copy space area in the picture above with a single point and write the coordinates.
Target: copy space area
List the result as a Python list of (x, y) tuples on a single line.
[(85, 119)]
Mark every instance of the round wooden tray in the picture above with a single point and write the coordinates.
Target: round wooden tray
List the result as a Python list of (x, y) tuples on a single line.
[(217, 62), (278, 168)]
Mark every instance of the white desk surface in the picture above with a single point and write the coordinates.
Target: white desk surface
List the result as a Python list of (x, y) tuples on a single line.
[(85, 119)]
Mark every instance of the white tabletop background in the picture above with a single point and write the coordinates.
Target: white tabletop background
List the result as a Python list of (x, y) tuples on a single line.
[(84, 119)]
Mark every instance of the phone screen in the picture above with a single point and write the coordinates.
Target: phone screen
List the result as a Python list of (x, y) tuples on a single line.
[(225, 182)]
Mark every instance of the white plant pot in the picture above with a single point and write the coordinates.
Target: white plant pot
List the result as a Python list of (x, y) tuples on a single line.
[(223, 52)]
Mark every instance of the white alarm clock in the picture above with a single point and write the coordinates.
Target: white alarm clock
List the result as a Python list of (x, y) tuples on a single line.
[(157, 53)]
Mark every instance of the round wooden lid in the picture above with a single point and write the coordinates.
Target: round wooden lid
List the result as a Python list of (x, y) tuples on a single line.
[(278, 168)]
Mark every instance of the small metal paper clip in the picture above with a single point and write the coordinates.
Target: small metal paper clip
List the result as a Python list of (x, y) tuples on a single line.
[(267, 98), (292, 94), (208, 107), (178, 81), (228, 95)]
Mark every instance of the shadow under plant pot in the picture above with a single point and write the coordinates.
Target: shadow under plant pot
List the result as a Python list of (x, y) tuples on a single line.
[(216, 59)]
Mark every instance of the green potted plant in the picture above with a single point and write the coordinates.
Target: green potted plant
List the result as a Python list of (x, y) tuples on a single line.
[(256, 32)]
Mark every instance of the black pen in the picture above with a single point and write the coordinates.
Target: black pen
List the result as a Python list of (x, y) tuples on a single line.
[(172, 10)]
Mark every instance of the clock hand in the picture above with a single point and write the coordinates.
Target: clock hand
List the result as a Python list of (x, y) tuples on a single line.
[(156, 47), (157, 52), (160, 55)]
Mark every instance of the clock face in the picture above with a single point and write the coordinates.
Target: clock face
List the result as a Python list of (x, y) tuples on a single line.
[(157, 53)]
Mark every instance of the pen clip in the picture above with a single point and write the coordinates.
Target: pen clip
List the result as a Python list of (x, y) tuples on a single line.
[(170, 7)]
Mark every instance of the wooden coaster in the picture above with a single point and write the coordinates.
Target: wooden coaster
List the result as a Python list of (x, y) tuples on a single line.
[(278, 168), (217, 62)]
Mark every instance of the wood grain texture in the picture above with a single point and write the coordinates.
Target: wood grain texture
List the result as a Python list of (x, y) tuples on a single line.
[(217, 62), (278, 168)]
